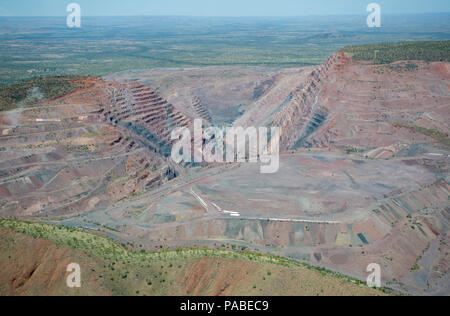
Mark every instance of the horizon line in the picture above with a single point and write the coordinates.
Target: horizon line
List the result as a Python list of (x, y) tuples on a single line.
[(219, 16)]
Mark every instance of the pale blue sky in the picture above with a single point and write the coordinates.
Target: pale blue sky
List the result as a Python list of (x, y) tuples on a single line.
[(218, 7)]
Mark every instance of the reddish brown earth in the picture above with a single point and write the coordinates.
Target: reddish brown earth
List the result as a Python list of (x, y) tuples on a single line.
[(363, 175), (345, 103), (38, 267), (66, 157)]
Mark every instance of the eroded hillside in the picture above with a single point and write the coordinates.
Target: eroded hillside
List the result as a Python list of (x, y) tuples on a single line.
[(380, 110), (84, 150), (363, 172), (35, 266)]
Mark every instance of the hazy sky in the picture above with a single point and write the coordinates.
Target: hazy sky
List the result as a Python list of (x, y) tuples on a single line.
[(217, 7)]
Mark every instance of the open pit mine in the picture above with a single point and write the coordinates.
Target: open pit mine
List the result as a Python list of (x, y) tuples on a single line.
[(363, 174)]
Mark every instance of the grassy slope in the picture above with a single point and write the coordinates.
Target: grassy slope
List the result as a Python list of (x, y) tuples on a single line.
[(389, 53), (35, 257), (34, 90), (439, 136)]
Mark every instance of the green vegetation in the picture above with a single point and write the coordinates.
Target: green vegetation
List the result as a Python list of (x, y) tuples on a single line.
[(109, 250), (354, 150), (41, 47), (439, 136), (403, 67), (79, 149), (389, 53), (31, 91), (415, 268)]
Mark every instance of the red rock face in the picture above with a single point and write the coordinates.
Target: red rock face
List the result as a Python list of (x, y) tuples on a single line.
[(137, 105), (304, 113), (348, 103)]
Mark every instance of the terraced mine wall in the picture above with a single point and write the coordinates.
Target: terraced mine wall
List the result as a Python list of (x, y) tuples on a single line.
[(144, 113), (201, 110), (83, 151), (304, 114)]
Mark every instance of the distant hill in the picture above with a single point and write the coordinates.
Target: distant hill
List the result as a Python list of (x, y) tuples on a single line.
[(389, 53), (31, 91)]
